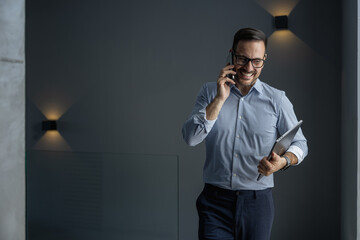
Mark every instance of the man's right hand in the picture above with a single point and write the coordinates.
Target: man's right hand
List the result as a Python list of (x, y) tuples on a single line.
[(223, 87), (223, 92)]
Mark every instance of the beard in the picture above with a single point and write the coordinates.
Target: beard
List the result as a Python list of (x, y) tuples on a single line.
[(245, 82)]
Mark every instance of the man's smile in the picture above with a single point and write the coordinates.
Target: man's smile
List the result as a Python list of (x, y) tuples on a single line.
[(246, 75)]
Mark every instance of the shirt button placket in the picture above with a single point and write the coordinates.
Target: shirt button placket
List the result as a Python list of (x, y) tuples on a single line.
[(237, 143)]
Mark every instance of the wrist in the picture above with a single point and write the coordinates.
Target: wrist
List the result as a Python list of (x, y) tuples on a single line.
[(219, 99), (287, 163)]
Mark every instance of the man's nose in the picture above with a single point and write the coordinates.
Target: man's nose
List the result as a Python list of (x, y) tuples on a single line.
[(248, 66)]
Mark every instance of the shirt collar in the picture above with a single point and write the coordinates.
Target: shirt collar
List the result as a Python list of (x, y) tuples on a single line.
[(258, 86)]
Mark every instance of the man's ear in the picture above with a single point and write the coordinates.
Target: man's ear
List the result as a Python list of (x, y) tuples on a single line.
[(265, 56)]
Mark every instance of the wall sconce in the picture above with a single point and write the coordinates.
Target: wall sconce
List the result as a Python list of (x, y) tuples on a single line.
[(49, 125), (281, 22)]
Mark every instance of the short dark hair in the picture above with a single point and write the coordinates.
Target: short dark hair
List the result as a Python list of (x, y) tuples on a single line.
[(249, 34)]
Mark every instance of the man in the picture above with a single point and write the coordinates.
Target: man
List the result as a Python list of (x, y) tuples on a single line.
[(240, 120)]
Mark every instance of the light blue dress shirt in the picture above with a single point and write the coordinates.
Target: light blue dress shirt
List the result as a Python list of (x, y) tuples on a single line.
[(243, 133)]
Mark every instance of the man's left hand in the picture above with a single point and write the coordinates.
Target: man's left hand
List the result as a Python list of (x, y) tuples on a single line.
[(267, 167)]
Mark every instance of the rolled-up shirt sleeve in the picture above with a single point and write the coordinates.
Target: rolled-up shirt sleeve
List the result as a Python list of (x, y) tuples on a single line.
[(287, 120), (197, 127)]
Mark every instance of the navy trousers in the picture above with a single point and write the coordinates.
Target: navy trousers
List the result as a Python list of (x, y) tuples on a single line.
[(235, 215)]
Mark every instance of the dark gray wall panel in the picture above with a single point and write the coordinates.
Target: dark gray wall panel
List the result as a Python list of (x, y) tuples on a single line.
[(101, 196), (350, 122)]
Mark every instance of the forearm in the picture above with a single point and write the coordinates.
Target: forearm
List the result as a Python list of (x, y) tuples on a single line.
[(213, 109)]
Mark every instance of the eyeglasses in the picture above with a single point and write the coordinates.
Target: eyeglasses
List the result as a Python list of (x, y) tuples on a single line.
[(242, 61)]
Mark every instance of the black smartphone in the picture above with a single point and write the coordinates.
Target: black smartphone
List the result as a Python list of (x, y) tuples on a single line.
[(229, 61)]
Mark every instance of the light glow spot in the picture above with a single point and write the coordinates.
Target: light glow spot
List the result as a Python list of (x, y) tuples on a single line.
[(52, 140), (278, 7)]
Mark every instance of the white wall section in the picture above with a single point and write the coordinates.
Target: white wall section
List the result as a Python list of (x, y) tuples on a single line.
[(12, 120)]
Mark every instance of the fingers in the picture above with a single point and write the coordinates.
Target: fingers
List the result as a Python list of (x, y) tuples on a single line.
[(223, 75), (223, 80), (223, 83), (267, 167), (227, 70), (275, 156)]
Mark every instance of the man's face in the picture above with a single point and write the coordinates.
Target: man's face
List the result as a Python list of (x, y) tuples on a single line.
[(246, 75)]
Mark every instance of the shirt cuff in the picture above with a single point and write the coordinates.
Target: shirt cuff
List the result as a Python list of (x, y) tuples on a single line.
[(203, 122), (297, 152)]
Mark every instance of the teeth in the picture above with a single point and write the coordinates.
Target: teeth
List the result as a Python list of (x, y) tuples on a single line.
[(247, 74)]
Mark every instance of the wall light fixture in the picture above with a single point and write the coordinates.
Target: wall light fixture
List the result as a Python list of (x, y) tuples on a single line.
[(49, 125), (281, 22)]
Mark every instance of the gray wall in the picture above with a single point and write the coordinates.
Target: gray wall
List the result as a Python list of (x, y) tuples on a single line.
[(12, 120), (349, 113), (123, 76)]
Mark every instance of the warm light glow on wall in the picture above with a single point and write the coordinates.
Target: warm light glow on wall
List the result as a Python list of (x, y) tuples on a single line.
[(52, 104), (52, 111), (286, 42), (283, 37), (52, 140), (278, 7)]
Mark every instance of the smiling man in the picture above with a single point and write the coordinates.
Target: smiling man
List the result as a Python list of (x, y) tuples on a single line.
[(240, 118)]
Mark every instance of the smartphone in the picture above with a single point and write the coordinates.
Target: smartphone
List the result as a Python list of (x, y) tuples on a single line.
[(229, 61)]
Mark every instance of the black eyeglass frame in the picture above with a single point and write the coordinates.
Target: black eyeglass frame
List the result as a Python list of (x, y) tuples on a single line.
[(247, 60)]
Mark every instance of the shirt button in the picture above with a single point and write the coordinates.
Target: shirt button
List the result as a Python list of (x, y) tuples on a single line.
[(242, 99), (238, 136), (234, 174), (236, 155), (240, 117)]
